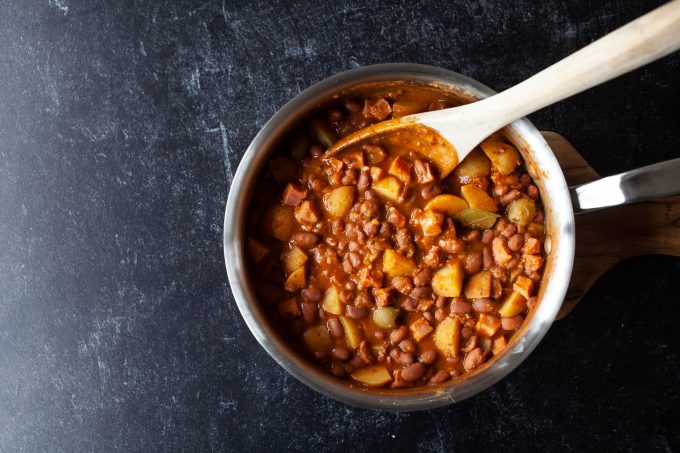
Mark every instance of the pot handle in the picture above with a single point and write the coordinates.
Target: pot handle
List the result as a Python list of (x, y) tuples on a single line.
[(642, 184)]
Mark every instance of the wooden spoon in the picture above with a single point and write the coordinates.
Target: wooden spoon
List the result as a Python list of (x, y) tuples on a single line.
[(447, 136)]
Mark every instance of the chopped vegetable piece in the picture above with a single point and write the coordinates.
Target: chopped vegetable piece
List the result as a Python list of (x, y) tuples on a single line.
[(524, 286), (448, 280), (401, 168), (338, 201), (389, 188), (395, 264), (288, 308), (331, 301), (323, 133), (513, 305), (296, 280), (522, 211), (420, 329), (280, 222), (447, 204), (257, 250), (385, 317), (352, 332), (374, 376), (403, 108), (317, 339), (488, 325), (294, 260), (504, 157), (475, 165), (477, 198), (447, 337), (479, 286)]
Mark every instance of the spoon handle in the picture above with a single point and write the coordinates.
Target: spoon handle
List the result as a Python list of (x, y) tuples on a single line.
[(650, 37)]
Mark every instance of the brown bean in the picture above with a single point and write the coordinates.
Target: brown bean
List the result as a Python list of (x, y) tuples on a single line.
[(473, 262), (512, 323), (409, 304), (371, 228), (428, 357), (440, 302), (335, 326), (483, 305), (398, 334), (439, 377), (413, 372), (406, 358), (516, 242), (470, 344), (429, 191), (340, 353), (487, 258), (311, 294), (394, 354), (465, 333), (532, 191), (509, 230), (363, 299), (532, 302), (473, 235), (422, 292), (305, 239), (473, 359), (510, 197), (488, 236), (354, 312), (407, 345), (353, 105), (525, 179), (338, 370), (423, 277), (460, 305), (334, 116), (309, 311), (345, 297), (439, 315), (316, 150)]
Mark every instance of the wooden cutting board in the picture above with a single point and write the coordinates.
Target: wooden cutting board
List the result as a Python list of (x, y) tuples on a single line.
[(607, 237)]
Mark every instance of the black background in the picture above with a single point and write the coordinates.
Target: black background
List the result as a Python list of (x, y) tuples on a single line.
[(121, 124)]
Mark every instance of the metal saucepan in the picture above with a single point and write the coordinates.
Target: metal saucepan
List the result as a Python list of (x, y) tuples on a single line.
[(560, 204)]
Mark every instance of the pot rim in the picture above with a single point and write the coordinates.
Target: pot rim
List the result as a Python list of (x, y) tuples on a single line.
[(559, 214)]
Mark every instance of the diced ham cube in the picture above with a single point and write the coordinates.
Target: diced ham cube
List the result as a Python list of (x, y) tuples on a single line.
[(420, 329), (306, 213), (293, 195), (423, 172), (532, 246), (501, 253), (377, 109)]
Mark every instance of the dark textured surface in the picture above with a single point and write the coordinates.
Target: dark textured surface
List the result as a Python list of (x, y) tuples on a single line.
[(121, 123)]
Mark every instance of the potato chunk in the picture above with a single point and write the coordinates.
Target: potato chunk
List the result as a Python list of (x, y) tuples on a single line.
[(477, 198), (331, 301), (389, 188), (402, 108), (375, 376), (317, 339), (294, 260), (257, 250), (447, 337), (296, 280), (504, 157), (385, 317), (513, 305), (447, 204), (352, 332), (524, 286), (448, 280), (395, 264), (280, 222), (338, 201), (479, 286), (475, 165)]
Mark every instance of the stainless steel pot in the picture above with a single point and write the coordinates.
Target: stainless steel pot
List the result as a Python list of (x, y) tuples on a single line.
[(542, 166)]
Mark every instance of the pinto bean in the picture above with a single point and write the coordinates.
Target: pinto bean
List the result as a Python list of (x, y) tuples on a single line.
[(335, 327), (338, 370), (483, 305), (423, 277), (460, 306), (512, 323), (516, 242), (407, 345), (413, 372), (340, 353), (311, 294), (473, 359), (488, 236), (439, 377), (354, 312), (473, 262), (406, 358), (422, 292), (398, 334), (470, 344), (428, 357), (487, 258), (309, 311), (305, 239)]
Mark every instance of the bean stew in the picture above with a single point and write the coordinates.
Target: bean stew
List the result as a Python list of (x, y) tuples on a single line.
[(379, 268)]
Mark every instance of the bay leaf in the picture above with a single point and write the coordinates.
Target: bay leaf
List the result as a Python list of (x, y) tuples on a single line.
[(475, 218)]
